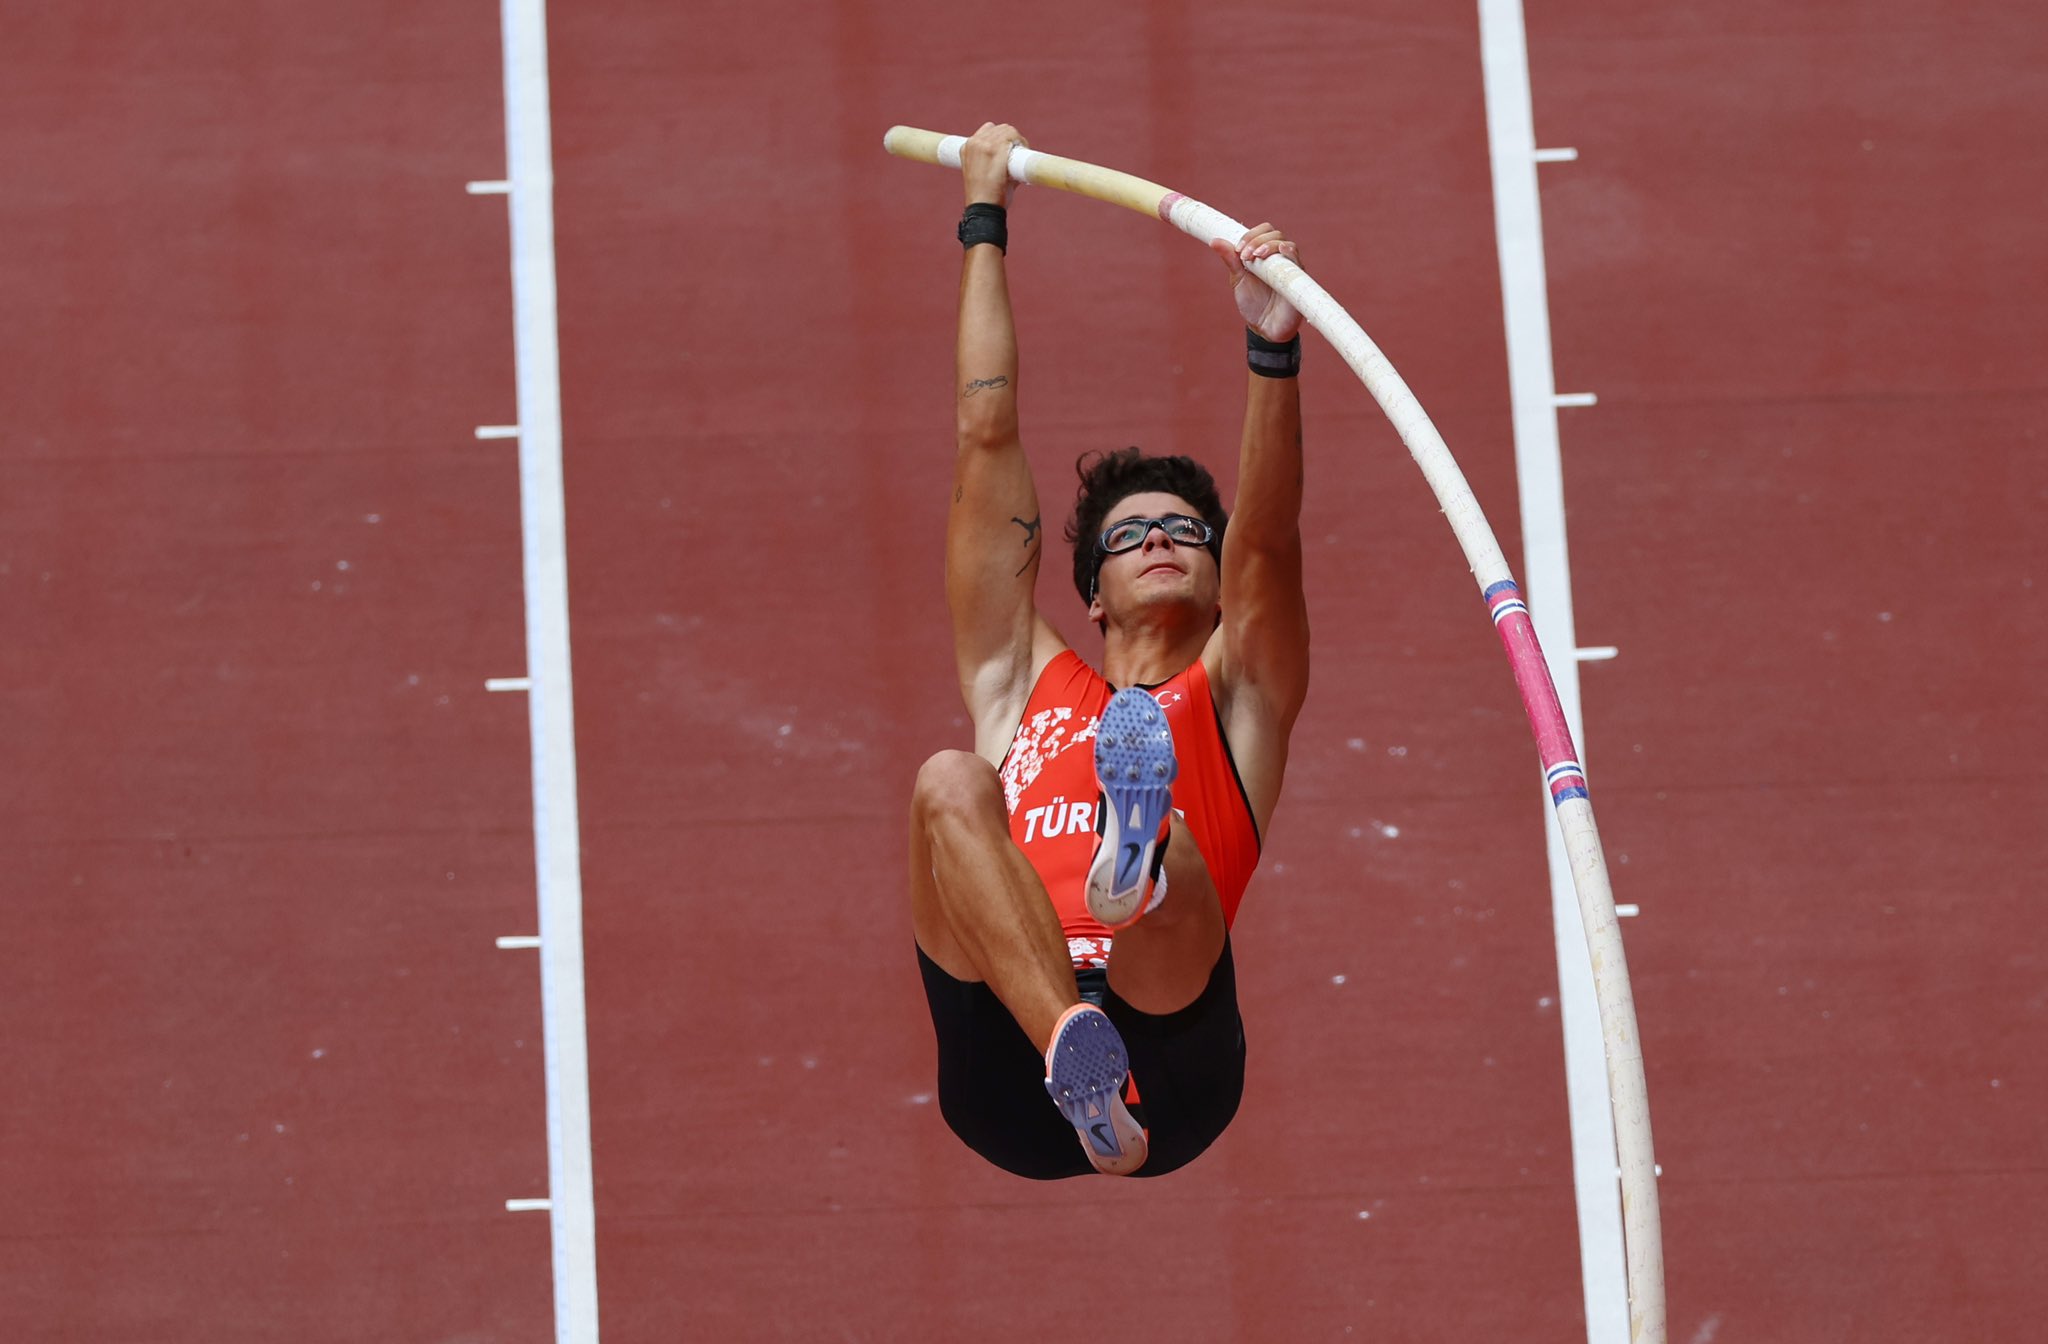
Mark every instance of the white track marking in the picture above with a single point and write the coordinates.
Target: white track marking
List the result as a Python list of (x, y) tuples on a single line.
[(556, 844), (488, 188), (1575, 399), (526, 1205), (508, 684), (517, 940), (501, 431), (1518, 228), (1627, 911), (1596, 653), (1555, 155)]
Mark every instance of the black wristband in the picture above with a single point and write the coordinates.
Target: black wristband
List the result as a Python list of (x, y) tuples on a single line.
[(985, 223), (1272, 359)]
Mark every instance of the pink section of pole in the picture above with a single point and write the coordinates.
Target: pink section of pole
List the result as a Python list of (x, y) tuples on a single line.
[(1539, 693)]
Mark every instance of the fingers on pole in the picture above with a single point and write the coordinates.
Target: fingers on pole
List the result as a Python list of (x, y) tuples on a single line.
[(1229, 257)]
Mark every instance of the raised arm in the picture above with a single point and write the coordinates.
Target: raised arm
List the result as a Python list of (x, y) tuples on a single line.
[(994, 533), (1260, 654)]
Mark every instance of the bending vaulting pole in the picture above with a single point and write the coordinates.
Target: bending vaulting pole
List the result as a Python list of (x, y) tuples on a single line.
[(1562, 772)]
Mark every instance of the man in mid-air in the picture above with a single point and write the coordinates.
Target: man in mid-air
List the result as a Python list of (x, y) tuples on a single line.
[(1074, 877)]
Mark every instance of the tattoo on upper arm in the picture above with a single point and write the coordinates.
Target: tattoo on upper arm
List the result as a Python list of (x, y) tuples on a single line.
[(1030, 539), (980, 383)]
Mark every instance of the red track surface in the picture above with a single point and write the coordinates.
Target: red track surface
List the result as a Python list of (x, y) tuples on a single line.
[(269, 1079)]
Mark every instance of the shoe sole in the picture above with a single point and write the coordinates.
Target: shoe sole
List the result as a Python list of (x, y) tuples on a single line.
[(1085, 1072), (1135, 767)]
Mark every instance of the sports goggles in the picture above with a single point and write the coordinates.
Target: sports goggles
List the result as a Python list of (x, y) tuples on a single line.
[(1130, 533)]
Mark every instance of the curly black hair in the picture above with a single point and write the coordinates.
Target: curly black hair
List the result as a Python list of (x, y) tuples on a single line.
[(1107, 478)]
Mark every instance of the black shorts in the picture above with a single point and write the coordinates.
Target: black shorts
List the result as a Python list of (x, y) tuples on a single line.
[(1188, 1067)]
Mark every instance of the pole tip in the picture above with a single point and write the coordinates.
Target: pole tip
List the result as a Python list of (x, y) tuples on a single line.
[(909, 142)]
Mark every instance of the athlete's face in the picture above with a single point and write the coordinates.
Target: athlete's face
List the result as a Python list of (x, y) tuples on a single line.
[(1158, 572)]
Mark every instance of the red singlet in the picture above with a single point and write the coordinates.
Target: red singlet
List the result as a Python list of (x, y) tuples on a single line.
[(1050, 789)]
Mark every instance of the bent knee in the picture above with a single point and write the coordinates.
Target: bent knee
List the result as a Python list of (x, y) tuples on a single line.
[(954, 782)]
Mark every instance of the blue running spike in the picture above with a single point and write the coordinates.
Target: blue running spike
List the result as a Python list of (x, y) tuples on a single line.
[(1135, 768), (1085, 1072)]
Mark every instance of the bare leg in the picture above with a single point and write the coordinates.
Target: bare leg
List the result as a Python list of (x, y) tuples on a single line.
[(1162, 963), (977, 907)]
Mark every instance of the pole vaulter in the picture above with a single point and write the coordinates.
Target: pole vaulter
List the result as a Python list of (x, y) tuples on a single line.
[(1563, 776)]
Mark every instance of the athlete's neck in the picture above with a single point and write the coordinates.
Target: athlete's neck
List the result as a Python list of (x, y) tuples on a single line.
[(1147, 654)]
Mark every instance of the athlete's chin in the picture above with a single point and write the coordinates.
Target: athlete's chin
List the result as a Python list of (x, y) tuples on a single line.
[(1170, 605)]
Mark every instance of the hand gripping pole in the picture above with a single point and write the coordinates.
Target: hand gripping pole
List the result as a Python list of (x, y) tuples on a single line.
[(1563, 776)]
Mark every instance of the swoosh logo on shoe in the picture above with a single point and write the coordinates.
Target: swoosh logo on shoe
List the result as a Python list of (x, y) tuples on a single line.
[(1102, 1139), (1130, 858)]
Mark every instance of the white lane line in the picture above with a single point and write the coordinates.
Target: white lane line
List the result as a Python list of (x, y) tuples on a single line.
[(514, 940), (527, 1205), (1518, 232), (1555, 155), (499, 431), (488, 188), (1575, 399), (556, 840), (1596, 653), (1628, 911), (508, 684)]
